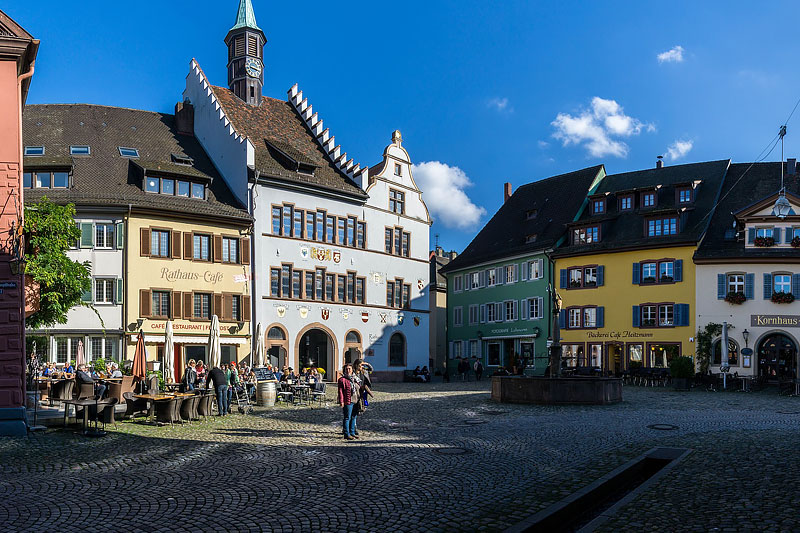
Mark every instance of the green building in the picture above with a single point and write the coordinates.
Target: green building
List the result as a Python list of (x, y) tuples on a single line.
[(498, 302)]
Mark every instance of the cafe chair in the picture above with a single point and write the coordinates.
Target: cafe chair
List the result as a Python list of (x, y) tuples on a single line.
[(114, 391), (61, 390), (188, 408), (107, 413), (134, 406), (286, 395), (167, 411), (85, 391), (318, 394), (204, 405)]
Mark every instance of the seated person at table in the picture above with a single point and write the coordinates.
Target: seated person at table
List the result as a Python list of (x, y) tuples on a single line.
[(250, 383), (313, 376), (49, 370), (68, 369), (115, 371), (287, 374), (425, 373), (83, 376)]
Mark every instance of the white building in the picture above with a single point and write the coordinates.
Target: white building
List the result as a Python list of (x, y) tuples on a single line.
[(340, 251), (748, 272)]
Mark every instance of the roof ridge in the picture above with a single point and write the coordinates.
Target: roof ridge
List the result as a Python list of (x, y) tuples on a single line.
[(102, 105), (542, 180)]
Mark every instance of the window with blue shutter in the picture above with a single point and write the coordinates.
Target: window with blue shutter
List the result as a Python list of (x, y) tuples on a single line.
[(796, 286), (749, 286), (767, 286), (562, 319), (636, 318), (120, 236), (788, 235), (120, 291), (563, 275), (679, 270), (524, 307), (751, 235), (601, 275), (720, 286), (86, 296), (776, 234), (637, 273), (499, 276), (601, 317), (682, 314)]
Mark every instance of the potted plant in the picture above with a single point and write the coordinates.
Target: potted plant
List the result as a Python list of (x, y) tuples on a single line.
[(667, 279), (682, 371), (736, 298), (764, 242), (574, 284), (782, 297), (649, 279), (649, 322), (795, 242)]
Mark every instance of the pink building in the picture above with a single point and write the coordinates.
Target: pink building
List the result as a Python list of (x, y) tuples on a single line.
[(17, 56)]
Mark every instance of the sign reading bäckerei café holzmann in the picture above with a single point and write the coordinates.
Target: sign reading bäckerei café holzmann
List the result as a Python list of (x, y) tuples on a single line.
[(787, 321)]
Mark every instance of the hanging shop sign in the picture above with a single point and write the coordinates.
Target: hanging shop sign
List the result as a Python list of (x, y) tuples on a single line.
[(785, 321)]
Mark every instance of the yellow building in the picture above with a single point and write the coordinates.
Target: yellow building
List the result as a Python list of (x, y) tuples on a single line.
[(626, 276)]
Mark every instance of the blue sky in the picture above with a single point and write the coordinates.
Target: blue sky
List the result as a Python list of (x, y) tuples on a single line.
[(483, 92)]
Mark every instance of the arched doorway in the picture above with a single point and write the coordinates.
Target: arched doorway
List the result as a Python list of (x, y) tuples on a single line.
[(397, 350), (352, 346), (777, 355), (317, 350), (277, 344)]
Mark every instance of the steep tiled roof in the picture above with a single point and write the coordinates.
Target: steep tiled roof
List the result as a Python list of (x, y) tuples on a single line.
[(104, 178), (276, 122), (741, 189), (555, 200), (626, 229)]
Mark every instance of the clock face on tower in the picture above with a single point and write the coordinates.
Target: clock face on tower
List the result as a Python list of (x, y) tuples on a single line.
[(252, 67)]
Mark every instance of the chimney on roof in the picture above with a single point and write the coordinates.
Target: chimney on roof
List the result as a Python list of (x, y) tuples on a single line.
[(791, 166), (453, 255), (660, 161), (440, 251), (506, 192), (184, 118)]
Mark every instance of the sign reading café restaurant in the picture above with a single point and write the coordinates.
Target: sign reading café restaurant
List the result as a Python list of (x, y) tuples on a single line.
[(786, 321)]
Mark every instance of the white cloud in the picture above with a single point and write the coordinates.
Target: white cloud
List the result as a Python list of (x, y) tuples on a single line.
[(673, 55), (500, 105), (443, 191), (594, 128), (543, 144), (679, 149)]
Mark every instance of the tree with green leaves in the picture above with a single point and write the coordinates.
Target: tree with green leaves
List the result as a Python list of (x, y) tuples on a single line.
[(50, 231)]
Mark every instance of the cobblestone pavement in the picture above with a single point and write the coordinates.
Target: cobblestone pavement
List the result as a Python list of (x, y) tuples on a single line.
[(437, 457)]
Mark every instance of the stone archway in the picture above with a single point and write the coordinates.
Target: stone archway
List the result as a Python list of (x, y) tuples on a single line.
[(776, 353), (332, 358), (352, 346), (276, 343)]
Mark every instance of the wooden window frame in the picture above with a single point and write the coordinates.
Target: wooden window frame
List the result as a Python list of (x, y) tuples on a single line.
[(658, 306), (658, 263), (580, 309), (620, 201)]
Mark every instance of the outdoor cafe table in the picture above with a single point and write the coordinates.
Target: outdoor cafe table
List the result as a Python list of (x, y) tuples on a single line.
[(151, 400), (86, 403), (302, 390)]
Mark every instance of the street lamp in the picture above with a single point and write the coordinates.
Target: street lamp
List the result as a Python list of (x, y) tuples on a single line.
[(745, 336), (782, 208)]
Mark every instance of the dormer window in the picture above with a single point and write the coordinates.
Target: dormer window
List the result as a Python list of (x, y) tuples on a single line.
[(648, 199), (684, 196), (34, 150), (172, 187), (586, 235), (598, 206), (764, 233), (626, 203), (398, 169), (182, 159), (530, 214), (658, 227), (79, 150), (530, 238), (45, 180), (128, 152)]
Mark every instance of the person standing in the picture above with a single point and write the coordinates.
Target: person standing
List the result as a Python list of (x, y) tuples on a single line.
[(346, 395), (189, 377), (361, 383), (478, 367), (219, 382)]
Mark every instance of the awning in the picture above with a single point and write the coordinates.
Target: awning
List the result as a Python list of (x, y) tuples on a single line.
[(177, 339)]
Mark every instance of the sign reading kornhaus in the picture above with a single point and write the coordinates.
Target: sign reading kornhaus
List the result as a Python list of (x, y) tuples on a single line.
[(787, 321)]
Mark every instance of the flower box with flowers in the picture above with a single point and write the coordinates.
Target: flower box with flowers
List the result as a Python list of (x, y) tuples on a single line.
[(666, 279), (736, 298), (795, 242), (764, 242), (782, 297), (574, 284), (649, 279), (649, 322)]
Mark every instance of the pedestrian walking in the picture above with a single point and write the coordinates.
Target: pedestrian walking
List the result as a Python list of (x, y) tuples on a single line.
[(346, 396), (363, 384), (478, 367), (464, 369), (219, 382)]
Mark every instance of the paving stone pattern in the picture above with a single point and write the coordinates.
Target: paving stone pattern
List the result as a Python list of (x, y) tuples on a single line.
[(437, 457)]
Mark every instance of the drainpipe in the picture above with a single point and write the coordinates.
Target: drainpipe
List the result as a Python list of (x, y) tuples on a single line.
[(253, 299), (125, 301)]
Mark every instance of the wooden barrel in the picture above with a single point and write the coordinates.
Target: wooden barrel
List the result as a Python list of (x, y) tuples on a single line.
[(265, 393)]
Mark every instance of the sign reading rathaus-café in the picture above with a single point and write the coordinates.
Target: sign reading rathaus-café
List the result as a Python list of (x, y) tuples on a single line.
[(788, 321)]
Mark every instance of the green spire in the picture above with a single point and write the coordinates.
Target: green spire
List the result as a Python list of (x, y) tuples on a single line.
[(245, 16)]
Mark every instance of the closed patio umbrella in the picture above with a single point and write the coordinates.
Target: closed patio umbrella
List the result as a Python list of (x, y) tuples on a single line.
[(214, 349), (169, 357), (80, 358), (139, 358), (258, 351)]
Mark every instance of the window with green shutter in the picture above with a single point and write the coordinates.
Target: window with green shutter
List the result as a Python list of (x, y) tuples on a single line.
[(120, 236), (120, 291), (87, 235)]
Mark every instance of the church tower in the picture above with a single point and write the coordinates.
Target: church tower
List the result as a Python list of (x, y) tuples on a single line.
[(245, 42)]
